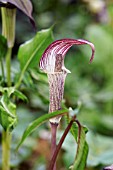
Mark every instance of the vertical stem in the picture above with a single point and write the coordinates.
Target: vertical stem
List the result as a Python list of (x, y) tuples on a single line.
[(8, 31), (6, 139), (2, 69), (8, 66), (53, 140), (8, 25)]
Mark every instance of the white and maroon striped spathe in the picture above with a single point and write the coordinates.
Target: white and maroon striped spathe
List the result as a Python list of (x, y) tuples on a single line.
[(47, 61)]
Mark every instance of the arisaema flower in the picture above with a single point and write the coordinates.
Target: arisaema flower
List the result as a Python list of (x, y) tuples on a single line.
[(25, 6), (52, 63)]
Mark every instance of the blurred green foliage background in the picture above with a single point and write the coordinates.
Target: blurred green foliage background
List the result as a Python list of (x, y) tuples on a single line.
[(92, 84)]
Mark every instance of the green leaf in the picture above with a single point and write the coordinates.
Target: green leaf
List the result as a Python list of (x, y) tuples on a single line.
[(3, 46), (30, 52), (28, 81), (20, 95), (81, 165), (6, 121), (39, 76), (36, 123), (82, 151), (9, 91), (74, 127), (25, 6), (9, 107), (8, 118), (74, 130)]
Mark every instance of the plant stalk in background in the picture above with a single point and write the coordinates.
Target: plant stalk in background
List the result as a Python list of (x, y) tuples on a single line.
[(8, 31), (52, 63), (6, 139), (7, 107)]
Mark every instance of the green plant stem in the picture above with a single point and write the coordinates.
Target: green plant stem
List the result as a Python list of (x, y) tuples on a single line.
[(8, 25), (2, 69), (8, 66), (8, 31), (6, 138), (20, 78)]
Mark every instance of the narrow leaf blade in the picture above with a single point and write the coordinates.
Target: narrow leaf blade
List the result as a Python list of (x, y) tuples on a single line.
[(20, 95), (82, 151), (35, 124)]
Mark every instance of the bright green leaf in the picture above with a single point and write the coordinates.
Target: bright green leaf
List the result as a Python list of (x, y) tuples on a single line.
[(9, 107), (30, 52), (3, 46), (6, 121), (8, 118), (36, 123)]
